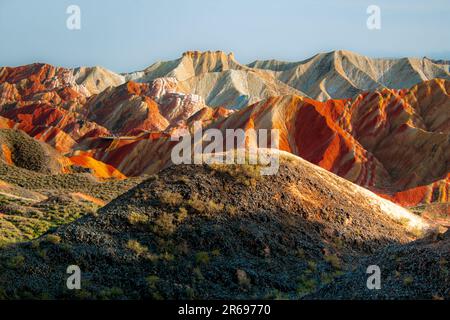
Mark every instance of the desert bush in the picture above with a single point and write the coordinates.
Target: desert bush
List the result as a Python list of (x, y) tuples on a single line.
[(16, 262), (152, 281), (136, 247), (243, 279), (300, 253), (204, 206), (181, 214), (416, 232), (202, 257), (164, 224), (195, 203), (166, 256), (408, 280), (214, 207), (338, 242), (276, 294), (136, 218), (3, 295), (312, 265), (190, 293), (198, 274), (246, 174), (232, 210), (83, 294), (327, 278), (42, 253), (402, 221), (111, 293), (184, 179), (171, 198), (306, 285), (333, 260), (53, 238)]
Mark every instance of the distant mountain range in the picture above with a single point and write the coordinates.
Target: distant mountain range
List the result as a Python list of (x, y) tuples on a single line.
[(222, 81)]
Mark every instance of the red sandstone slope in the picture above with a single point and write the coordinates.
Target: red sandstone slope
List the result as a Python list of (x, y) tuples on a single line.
[(362, 140), (395, 142), (124, 109), (47, 103), (312, 130), (38, 99), (134, 107)]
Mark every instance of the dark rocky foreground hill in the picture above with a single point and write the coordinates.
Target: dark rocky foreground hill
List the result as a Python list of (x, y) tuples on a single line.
[(215, 231), (19, 149), (418, 270)]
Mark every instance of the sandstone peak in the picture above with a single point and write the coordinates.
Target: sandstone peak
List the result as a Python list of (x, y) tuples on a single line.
[(208, 53)]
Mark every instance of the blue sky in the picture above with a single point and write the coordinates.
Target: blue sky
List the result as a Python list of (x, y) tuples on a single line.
[(130, 35)]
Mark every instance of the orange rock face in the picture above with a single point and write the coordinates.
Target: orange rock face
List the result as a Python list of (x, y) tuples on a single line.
[(6, 154), (45, 102), (395, 142), (312, 130), (54, 125), (100, 169), (124, 109), (6, 123)]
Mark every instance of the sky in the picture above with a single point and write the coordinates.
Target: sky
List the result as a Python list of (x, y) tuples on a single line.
[(130, 35)]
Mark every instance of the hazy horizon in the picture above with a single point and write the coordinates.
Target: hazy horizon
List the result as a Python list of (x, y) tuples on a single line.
[(126, 37)]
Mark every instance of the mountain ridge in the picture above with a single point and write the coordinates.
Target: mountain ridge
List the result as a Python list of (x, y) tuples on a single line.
[(126, 121)]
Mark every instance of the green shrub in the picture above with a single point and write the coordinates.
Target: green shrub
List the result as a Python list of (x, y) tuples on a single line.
[(171, 198), (306, 285), (166, 256), (202, 257), (246, 174), (181, 214), (190, 293), (164, 225), (111, 293), (198, 274), (136, 247), (243, 279), (214, 207), (42, 253), (408, 280), (333, 260), (16, 262), (300, 253), (53, 238), (312, 265), (135, 218), (197, 204), (204, 206), (152, 281)]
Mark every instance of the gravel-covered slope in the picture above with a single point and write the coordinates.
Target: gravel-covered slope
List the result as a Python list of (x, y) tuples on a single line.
[(418, 270), (211, 231)]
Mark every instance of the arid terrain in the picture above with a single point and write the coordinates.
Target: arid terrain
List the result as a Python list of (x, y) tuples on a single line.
[(87, 179)]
